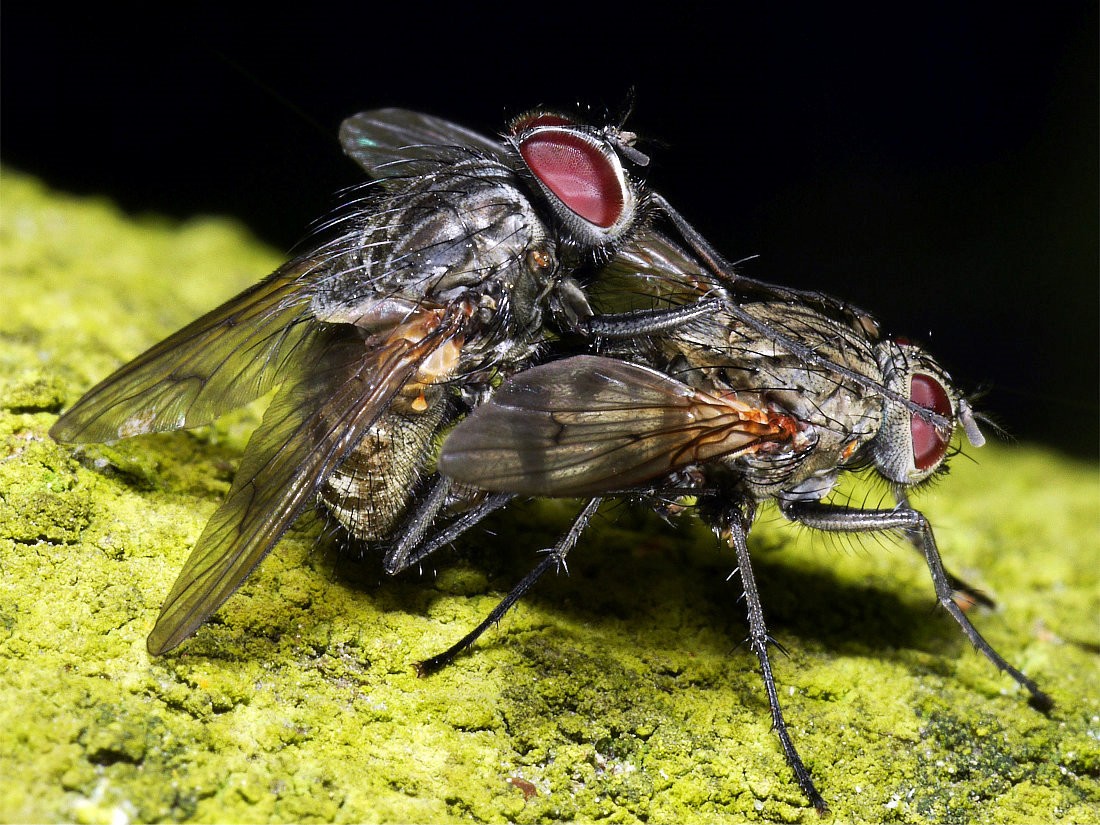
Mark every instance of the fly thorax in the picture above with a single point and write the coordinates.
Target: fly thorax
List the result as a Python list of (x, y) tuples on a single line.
[(908, 448), (447, 237), (528, 288), (767, 472), (505, 331), (475, 232)]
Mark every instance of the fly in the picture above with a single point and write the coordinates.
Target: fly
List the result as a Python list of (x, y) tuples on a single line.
[(716, 411)]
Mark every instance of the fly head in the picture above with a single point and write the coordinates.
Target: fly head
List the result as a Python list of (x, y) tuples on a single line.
[(908, 449), (578, 170)]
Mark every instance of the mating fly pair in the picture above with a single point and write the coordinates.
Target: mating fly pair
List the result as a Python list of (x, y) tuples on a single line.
[(451, 274)]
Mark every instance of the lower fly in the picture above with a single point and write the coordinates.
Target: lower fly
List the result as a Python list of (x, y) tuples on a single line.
[(716, 411)]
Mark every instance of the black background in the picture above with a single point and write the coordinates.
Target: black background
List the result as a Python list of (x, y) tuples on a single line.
[(937, 166)]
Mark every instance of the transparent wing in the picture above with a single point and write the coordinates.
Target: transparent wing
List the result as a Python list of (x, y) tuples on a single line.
[(338, 391), (391, 143), (221, 361), (588, 426), (651, 270)]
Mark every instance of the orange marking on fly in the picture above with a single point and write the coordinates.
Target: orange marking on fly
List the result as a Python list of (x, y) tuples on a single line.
[(539, 258), (441, 362), (757, 420)]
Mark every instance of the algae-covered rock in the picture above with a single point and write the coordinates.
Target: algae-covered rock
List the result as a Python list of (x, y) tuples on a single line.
[(620, 693)]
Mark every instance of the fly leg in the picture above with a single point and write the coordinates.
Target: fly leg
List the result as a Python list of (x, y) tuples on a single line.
[(466, 520), (729, 278), (555, 557), (734, 531), (574, 314), (646, 321), (964, 594), (916, 527), (412, 546), (714, 260)]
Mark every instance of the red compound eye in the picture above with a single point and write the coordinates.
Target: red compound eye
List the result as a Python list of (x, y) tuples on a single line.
[(929, 446), (575, 169)]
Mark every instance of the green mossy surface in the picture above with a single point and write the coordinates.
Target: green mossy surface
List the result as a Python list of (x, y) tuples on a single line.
[(620, 693)]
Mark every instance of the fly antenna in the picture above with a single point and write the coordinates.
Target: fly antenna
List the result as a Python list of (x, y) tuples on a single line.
[(970, 424)]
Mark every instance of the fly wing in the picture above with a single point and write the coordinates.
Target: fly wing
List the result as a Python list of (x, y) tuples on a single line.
[(398, 143), (652, 270), (653, 254), (339, 390), (588, 426), (221, 361)]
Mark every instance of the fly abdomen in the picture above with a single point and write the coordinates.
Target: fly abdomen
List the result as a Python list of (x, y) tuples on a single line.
[(370, 491)]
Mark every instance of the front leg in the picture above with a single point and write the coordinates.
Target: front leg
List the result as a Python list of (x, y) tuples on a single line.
[(574, 315), (964, 594), (837, 519)]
